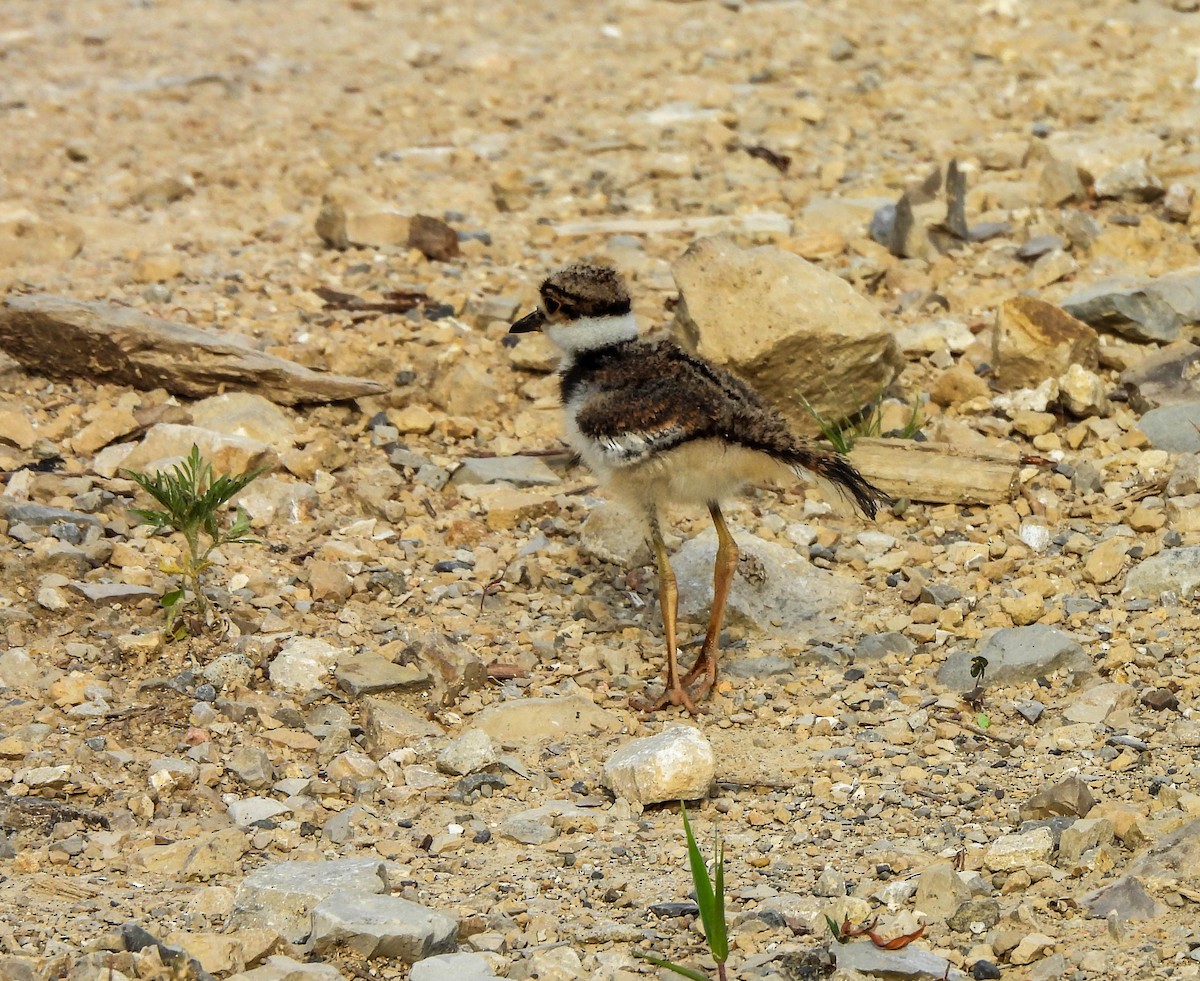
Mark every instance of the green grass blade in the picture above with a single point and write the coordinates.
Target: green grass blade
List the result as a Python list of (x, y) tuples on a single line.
[(687, 972), (718, 940), (710, 908)]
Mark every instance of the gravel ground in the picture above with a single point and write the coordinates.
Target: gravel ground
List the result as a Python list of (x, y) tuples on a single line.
[(175, 158)]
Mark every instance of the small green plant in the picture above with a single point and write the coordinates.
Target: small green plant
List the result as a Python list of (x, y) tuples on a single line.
[(190, 499), (710, 898), (842, 434)]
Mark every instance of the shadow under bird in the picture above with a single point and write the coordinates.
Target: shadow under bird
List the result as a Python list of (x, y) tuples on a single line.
[(657, 426)]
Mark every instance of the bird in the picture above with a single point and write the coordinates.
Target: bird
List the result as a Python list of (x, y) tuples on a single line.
[(658, 426)]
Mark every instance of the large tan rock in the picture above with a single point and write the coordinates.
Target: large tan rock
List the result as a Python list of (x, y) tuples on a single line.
[(1034, 340), (791, 329)]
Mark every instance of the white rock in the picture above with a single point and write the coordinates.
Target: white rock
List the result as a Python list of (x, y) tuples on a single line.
[(471, 751), (931, 336), (678, 764), (246, 811), (1035, 534), (304, 664), (1083, 392)]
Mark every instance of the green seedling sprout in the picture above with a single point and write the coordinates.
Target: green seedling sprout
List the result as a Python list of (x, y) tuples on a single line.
[(190, 499)]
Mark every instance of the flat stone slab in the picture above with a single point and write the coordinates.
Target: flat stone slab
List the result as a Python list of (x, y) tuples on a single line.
[(282, 895), (520, 471), (1142, 310), (367, 673), (71, 339), (453, 967), (545, 718), (113, 592), (1017, 654), (382, 926), (908, 962)]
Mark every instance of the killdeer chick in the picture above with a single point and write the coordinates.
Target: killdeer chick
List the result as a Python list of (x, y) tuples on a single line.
[(657, 425)]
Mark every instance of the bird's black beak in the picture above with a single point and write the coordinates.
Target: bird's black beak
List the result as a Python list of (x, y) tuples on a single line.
[(531, 321)]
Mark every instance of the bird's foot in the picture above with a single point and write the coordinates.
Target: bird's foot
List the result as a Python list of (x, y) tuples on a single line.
[(705, 665), (674, 697)]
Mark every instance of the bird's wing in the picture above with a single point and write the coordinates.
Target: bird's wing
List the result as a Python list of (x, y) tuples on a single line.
[(659, 399)]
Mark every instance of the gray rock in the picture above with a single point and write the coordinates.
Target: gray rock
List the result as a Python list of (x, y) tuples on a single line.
[(908, 962), (19, 670), (282, 895), (269, 500), (1185, 476), (1017, 654), (471, 751), (940, 890), (1175, 570), (774, 589), (1029, 709), (520, 471), (786, 325), (72, 339), (43, 518), (382, 926), (767, 666), (453, 967), (1173, 427), (545, 718), (1142, 310), (1168, 376), (1069, 797), (252, 766), (1173, 861), (527, 830), (895, 893), (830, 883), (875, 646), (368, 673), (676, 764), (1127, 898), (1039, 245)]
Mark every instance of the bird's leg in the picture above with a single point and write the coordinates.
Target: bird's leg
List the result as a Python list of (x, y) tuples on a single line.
[(668, 601), (723, 570)]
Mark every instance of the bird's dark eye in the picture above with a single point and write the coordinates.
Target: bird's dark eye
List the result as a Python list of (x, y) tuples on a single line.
[(552, 305)]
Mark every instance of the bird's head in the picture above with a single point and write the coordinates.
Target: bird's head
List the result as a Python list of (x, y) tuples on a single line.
[(582, 307)]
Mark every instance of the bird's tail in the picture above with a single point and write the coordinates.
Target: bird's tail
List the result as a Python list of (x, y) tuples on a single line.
[(834, 471)]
